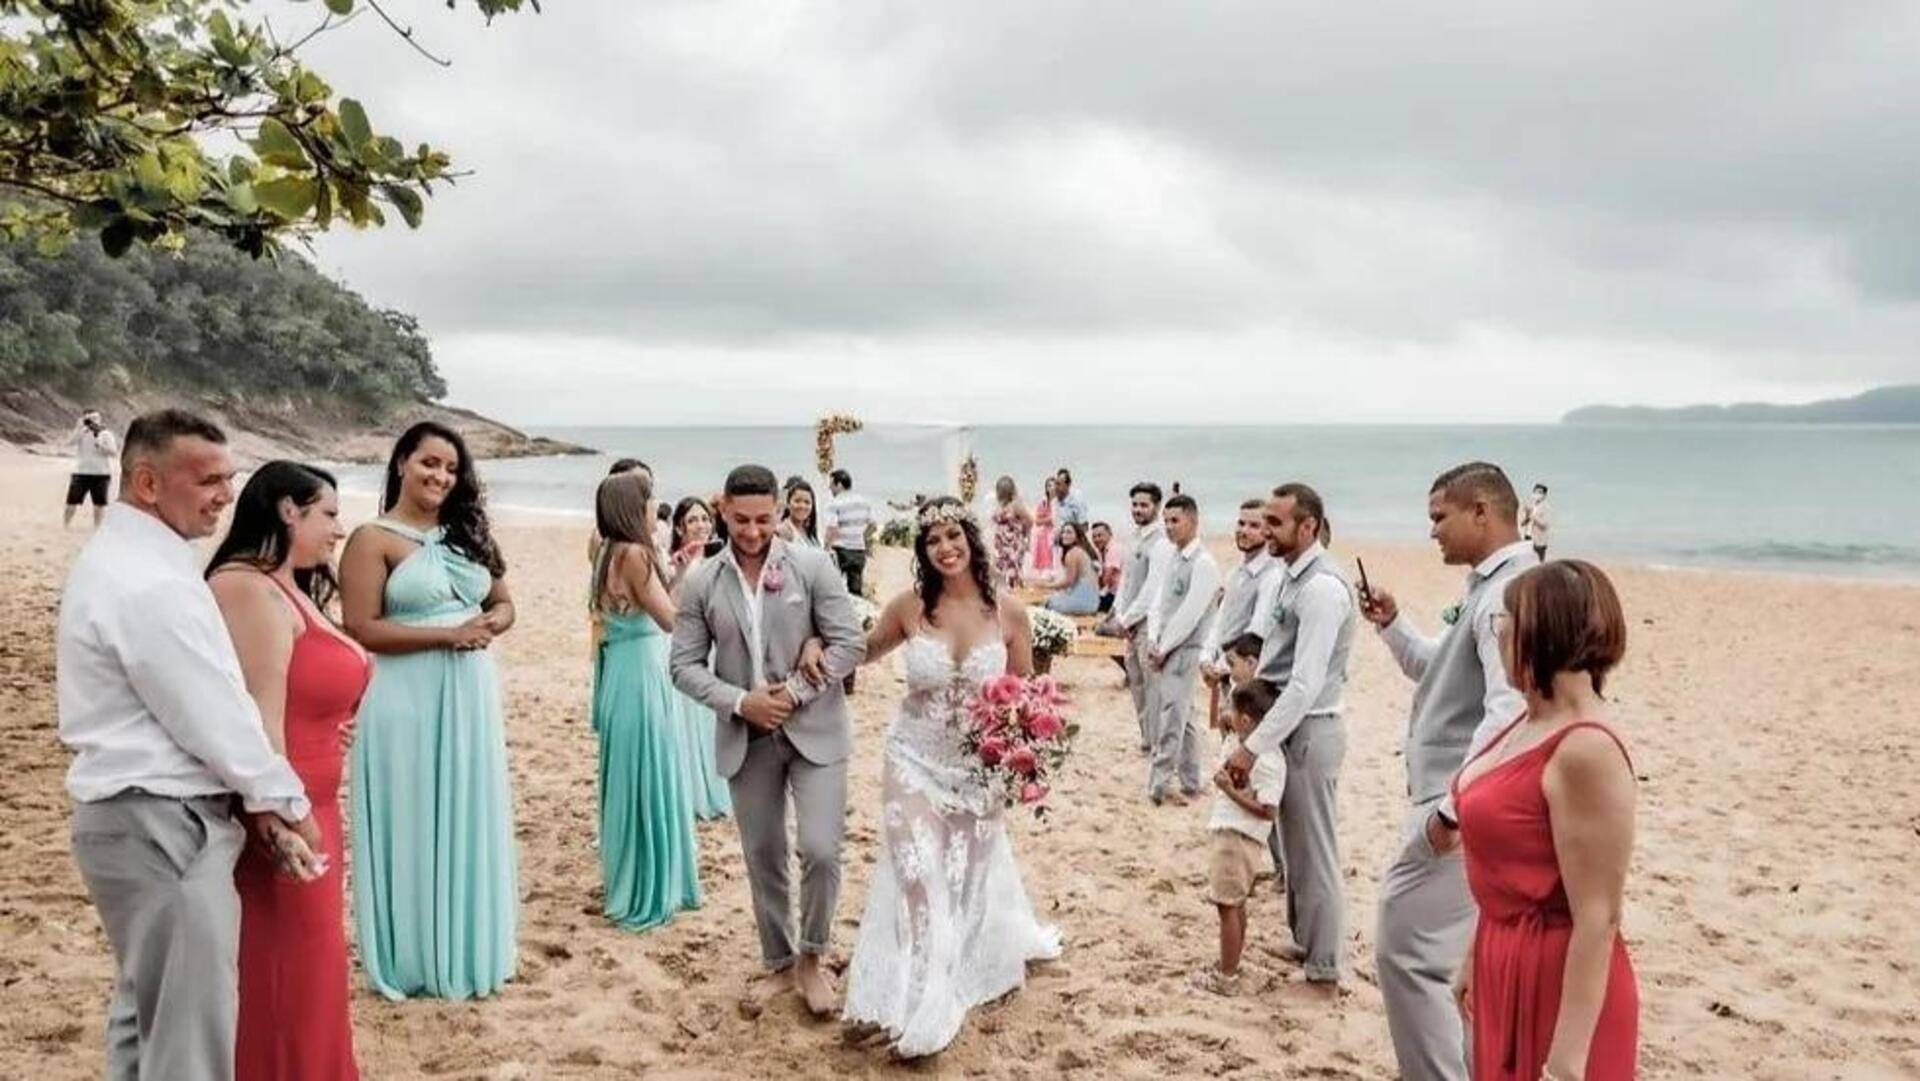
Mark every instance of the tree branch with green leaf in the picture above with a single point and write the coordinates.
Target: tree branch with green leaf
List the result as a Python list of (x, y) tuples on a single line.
[(108, 110)]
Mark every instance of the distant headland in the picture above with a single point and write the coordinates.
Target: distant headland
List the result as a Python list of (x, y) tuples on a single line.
[(1881, 405)]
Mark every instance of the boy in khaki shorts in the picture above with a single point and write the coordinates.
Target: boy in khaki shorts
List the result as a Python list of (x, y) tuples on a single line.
[(1239, 828)]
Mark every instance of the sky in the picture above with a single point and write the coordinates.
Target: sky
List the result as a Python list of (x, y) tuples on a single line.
[(1082, 212)]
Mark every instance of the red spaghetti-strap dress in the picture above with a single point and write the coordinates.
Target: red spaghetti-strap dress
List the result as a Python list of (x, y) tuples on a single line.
[(294, 1023), (1520, 945)]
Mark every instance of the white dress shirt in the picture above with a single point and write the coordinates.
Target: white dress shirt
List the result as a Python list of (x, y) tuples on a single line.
[(1259, 572), (150, 691), (756, 604), (1323, 604), (1160, 555), (1202, 589)]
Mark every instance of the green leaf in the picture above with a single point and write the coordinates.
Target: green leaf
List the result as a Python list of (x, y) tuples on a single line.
[(353, 122), (240, 197), (277, 146), (289, 197), (340, 7), (407, 201)]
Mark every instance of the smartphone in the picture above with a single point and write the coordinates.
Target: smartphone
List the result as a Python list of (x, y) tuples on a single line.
[(714, 547), (1366, 591)]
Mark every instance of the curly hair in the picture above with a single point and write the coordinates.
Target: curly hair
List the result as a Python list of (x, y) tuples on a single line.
[(464, 514), (928, 582)]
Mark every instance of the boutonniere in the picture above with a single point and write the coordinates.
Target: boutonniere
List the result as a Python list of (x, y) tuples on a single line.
[(771, 579), (1179, 589), (1451, 614)]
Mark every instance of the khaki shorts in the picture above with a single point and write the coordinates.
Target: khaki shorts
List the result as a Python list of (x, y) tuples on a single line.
[(1231, 865)]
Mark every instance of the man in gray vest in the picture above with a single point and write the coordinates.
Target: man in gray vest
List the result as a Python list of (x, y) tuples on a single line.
[(1176, 631), (1250, 584), (1306, 657), (1426, 913), (1139, 585)]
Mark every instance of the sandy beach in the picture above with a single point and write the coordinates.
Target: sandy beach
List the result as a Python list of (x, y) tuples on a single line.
[(1773, 909)]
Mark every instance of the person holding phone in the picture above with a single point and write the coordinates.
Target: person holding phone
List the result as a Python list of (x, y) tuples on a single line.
[(94, 449), (1464, 696)]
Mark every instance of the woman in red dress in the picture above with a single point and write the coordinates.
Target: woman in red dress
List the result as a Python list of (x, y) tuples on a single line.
[(272, 578), (1546, 817)]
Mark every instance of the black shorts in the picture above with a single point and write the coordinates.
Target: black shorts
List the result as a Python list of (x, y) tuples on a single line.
[(91, 486)]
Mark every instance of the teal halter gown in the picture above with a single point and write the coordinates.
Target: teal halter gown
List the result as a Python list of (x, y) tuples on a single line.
[(435, 896)]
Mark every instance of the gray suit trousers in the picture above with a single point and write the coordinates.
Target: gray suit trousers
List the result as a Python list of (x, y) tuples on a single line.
[(160, 872), (1426, 927), (1310, 839), (1175, 740), (1140, 683), (773, 770)]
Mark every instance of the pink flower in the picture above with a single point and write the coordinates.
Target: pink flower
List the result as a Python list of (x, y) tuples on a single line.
[(1021, 760), (1045, 693), (1002, 690), (992, 750), (1032, 792), (1045, 726), (771, 579)]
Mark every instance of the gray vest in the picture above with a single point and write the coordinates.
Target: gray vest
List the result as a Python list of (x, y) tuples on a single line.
[(1179, 581), (1450, 701), (1276, 655), (1134, 578), (1236, 607)]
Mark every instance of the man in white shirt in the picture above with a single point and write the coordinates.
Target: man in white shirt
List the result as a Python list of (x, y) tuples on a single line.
[(848, 516), (1305, 656), (1462, 700), (1068, 507), (1536, 522), (164, 734), (1147, 562), (94, 449), (1175, 632)]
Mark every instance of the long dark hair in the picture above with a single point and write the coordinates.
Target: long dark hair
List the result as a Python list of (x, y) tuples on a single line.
[(679, 523), (259, 539), (464, 513), (928, 581), (623, 511), (813, 517), (1080, 540)]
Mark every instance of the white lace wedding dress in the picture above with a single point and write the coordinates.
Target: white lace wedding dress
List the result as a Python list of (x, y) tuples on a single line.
[(947, 924)]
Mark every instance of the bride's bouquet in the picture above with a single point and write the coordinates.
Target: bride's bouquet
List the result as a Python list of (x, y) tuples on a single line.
[(1019, 735)]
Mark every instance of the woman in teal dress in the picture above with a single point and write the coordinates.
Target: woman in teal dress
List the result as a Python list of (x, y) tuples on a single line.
[(692, 528), (649, 859), (423, 588)]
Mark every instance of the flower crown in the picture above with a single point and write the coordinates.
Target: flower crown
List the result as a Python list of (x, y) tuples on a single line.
[(934, 514)]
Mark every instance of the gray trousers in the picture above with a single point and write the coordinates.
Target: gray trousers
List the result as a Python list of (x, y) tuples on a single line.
[(1310, 840), (1175, 731), (772, 772), (160, 872), (1140, 684), (1426, 927)]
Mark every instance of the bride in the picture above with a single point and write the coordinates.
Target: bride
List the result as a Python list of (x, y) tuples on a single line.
[(947, 925)]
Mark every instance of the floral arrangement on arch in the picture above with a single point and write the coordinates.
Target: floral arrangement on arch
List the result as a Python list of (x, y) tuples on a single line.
[(1019, 737), (824, 431)]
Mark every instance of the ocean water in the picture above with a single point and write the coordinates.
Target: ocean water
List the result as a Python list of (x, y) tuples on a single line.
[(1823, 499)]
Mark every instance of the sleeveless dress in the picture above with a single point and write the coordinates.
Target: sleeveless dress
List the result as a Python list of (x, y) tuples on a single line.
[(1043, 535), (1010, 538), (649, 858), (435, 896), (1520, 942), (294, 1024), (701, 785), (947, 925), (1082, 598)]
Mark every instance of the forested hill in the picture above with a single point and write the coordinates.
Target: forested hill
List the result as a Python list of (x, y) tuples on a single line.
[(1882, 405), (274, 347)]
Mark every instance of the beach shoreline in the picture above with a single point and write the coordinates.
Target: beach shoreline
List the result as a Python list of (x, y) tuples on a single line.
[(1770, 910)]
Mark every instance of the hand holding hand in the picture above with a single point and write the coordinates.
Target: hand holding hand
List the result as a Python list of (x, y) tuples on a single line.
[(1239, 763), (1442, 839), (1379, 607), (767, 708), (297, 847), (475, 633), (1223, 780)]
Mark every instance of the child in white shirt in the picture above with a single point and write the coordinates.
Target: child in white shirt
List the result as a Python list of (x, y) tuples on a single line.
[(1239, 827)]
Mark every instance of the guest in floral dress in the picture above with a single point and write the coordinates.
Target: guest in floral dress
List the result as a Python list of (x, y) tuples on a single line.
[(1012, 531)]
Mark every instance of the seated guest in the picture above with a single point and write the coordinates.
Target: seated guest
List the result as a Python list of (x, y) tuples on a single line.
[(1112, 560), (1079, 576), (1239, 829), (1546, 821), (273, 578)]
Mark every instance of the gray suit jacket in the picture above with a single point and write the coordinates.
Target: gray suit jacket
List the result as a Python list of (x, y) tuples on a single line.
[(712, 662)]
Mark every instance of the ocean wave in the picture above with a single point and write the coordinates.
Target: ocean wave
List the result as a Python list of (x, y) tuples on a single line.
[(1820, 554)]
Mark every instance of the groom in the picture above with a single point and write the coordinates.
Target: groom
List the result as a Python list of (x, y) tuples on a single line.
[(743, 619)]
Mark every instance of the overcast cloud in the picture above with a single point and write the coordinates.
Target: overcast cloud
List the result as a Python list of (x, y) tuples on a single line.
[(998, 211)]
